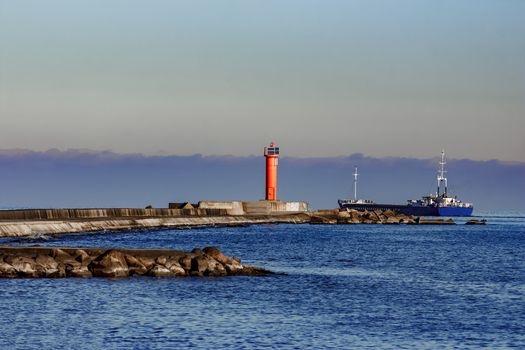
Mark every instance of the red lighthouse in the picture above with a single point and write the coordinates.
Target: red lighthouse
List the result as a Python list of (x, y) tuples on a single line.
[(272, 160)]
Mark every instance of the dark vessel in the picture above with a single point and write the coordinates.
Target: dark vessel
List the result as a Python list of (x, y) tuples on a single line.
[(439, 204)]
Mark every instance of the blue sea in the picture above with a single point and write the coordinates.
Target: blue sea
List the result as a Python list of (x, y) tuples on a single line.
[(342, 287)]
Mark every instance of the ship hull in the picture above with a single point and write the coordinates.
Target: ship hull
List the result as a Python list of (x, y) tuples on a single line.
[(454, 211), (411, 210)]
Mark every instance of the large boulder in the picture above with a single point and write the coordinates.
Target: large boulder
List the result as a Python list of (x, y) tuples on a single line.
[(160, 271), (49, 266), (344, 220), (60, 255), (216, 254), (197, 251), (344, 214), (199, 265), (135, 266), (234, 268), (172, 263), (7, 270), (110, 264), (321, 220), (392, 220), (82, 257), (161, 260), (215, 268), (389, 213), (24, 266), (147, 261), (185, 262), (78, 271)]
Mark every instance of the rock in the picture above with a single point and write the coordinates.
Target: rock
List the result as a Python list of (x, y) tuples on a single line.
[(423, 221), (355, 214), (160, 271), (255, 271), (327, 212), (199, 264), (147, 262), (161, 260), (389, 213), (344, 220), (46, 261), (135, 266), (392, 220), (234, 268), (59, 254), (78, 271), (216, 254), (173, 265), (115, 263), (321, 220), (49, 266), (409, 221), (476, 222), (59, 273), (217, 270), (24, 266), (344, 214), (185, 262), (197, 251), (7, 270), (110, 264), (62, 257), (82, 257)]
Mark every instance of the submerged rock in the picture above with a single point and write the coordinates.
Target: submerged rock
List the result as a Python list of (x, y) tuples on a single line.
[(476, 222)]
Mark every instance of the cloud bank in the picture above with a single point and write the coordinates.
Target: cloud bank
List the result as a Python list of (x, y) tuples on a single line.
[(83, 178)]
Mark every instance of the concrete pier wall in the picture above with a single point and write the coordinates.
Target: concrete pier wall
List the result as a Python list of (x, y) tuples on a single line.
[(262, 207), (62, 214), (21, 228)]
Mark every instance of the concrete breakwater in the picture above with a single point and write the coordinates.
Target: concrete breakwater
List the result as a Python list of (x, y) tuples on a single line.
[(34, 262), (34, 222), (20, 228)]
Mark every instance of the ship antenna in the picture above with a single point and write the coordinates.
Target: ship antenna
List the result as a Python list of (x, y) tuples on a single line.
[(355, 183), (441, 174)]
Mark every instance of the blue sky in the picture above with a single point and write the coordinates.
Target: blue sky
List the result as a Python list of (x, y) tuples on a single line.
[(322, 78)]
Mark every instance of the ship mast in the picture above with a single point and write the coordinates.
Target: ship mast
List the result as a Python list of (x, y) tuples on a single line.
[(355, 183), (441, 178)]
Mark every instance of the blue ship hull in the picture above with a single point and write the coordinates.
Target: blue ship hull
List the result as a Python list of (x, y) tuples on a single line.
[(412, 210), (454, 211)]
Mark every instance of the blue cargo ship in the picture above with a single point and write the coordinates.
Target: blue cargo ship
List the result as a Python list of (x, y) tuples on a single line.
[(439, 204)]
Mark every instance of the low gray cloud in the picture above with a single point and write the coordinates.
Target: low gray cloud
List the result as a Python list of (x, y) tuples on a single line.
[(82, 178)]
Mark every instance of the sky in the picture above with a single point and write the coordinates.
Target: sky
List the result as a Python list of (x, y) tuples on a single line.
[(321, 78)]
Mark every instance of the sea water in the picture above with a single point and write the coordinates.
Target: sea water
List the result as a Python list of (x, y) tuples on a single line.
[(342, 287)]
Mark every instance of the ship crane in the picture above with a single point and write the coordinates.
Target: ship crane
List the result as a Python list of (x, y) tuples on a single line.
[(441, 178)]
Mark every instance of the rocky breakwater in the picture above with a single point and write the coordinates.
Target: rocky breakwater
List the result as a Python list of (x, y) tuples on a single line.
[(351, 216), (44, 262)]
